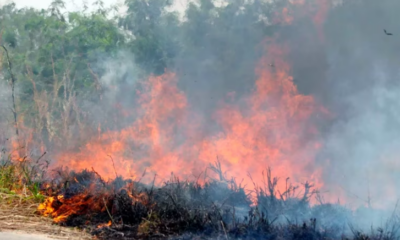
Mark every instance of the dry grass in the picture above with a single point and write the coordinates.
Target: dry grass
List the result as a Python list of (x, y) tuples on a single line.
[(20, 196), (19, 214)]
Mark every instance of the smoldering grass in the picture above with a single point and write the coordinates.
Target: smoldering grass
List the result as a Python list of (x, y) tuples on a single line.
[(216, 209), (219, 208)]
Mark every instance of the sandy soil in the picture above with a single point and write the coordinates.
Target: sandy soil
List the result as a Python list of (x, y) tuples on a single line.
[(23, 236)]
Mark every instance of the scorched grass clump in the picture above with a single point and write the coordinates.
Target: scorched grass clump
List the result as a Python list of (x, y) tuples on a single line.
[(215, 209)]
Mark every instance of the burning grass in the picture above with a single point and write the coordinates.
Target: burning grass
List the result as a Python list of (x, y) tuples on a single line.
[(20, 184), (125, 209), (217, 209)]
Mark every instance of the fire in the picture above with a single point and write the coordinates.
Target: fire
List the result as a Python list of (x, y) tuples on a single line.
[(273, 129), (61, 208), (86, 193), (105, 224), (46, 208), (149, 139)]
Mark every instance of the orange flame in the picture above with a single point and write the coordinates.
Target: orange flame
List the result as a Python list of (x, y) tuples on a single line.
[(272, 129), (104, 224), (60, 208), (146, 141)]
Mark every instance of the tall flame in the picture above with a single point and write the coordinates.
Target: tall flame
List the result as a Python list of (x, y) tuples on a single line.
[(271, 128), (148, 140)]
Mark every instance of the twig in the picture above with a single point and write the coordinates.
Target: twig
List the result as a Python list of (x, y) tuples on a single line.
[(41, 157), (109, 214), (116, 175), (101, 179), (13, 80), (152, 186), (95, 77), (223, 227), (172, 199), (140, 179)]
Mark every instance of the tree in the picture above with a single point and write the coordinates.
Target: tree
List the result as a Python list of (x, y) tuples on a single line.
[(154, 31), (52, 55)]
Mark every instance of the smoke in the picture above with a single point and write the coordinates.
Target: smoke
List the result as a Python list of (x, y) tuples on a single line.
[(118, 78), (361, 89), (351, 71), (353, 74), (6, 120)]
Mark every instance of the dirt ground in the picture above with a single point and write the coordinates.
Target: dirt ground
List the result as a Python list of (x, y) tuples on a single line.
[(18, 220), (23, 236)]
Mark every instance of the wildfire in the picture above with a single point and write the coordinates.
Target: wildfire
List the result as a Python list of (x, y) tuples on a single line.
[(271, 127), (87, 193)]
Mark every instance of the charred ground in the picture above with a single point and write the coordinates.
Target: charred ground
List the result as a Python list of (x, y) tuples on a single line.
[(215, 209)]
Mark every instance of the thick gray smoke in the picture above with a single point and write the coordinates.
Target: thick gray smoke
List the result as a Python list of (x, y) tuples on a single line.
[(353, 74), (117, 86), (361, 89)]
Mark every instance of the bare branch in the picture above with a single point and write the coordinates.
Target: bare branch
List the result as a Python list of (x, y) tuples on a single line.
[(13, 80)]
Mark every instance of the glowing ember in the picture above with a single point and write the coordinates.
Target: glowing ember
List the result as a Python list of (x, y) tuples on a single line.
[(104, 225)]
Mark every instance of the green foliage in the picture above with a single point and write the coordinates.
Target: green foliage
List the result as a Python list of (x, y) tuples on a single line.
[(155, 33), (51, 54), (17, 177), (10, 38)]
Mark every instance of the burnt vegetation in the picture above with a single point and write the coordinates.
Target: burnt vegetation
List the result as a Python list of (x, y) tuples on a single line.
[(215, 209)]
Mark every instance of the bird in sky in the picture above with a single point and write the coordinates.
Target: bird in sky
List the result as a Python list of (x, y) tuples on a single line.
[(387, 33)]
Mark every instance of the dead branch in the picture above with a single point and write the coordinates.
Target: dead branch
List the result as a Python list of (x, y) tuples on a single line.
[(13, 80)]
